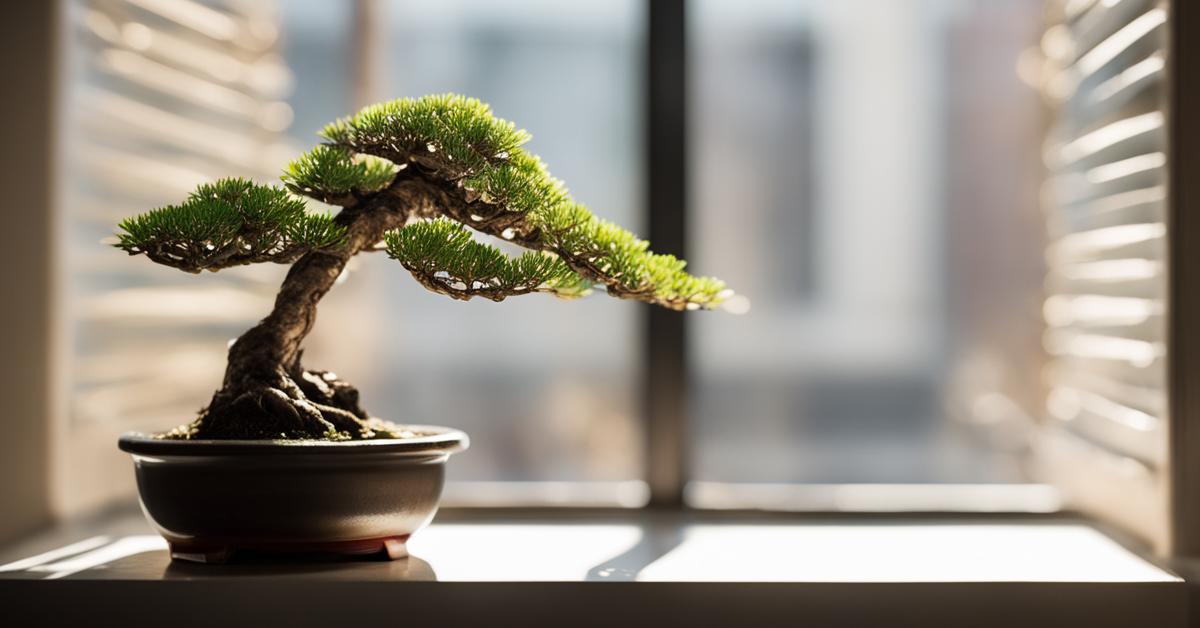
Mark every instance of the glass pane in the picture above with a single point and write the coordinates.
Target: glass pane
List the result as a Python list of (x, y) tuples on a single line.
[(867, 174), (157, 103), (544, 387)]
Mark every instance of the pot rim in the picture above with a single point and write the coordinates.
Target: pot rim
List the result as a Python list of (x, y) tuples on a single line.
[(443, 440)]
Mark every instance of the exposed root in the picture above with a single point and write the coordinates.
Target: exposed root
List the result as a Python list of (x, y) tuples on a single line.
[(324, 388), (306, 405)]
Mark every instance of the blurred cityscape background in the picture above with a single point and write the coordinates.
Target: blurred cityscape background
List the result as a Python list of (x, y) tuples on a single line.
[(866, 172)]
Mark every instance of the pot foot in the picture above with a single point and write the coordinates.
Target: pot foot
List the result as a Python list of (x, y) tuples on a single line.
[(396, 548)]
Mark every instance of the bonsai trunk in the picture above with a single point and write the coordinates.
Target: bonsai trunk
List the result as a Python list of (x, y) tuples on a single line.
[(266, 392)]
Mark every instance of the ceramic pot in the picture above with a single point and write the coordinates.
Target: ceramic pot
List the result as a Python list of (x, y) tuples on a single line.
[(212, 498)]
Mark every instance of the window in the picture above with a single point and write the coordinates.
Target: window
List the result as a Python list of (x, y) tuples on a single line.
[(948, 216), (864, 172)]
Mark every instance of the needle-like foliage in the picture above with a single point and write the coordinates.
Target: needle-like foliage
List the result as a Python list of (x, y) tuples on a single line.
[(333, 174), (484, 179), (443, 256), (229, 223), (507, 192), (459, 133)]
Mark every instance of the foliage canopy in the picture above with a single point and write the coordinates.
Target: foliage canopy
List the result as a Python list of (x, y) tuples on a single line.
[(477, 161)]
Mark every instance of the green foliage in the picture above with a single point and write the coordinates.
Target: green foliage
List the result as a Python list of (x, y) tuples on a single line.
[(458, 131), (512, 195), (482, 178), (314, 231), (520, 183), (330, 173), (445, 258), (228, 223)]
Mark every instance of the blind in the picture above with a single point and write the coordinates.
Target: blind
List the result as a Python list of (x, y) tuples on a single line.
[(1105, 208), (1105, 213), (160, 96)]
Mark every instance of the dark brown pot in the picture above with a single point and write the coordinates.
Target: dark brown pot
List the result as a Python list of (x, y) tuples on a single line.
[(212, 498)]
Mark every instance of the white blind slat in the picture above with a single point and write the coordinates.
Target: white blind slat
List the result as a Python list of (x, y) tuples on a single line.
[(1104, 206)]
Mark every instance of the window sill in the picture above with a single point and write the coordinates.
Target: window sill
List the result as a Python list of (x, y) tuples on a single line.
[(540, 567)]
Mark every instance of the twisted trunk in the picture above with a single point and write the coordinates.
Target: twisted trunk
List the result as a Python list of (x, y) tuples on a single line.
[(266, 392)]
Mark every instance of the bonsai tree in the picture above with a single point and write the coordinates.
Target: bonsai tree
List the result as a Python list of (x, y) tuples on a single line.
[(411, 176)]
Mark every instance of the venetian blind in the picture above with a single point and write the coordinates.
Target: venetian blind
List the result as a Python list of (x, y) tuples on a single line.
[(1105, 211), (161, 95)]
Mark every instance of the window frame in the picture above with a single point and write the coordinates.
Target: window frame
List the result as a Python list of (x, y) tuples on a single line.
[(666, 380), (1182, 537)]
